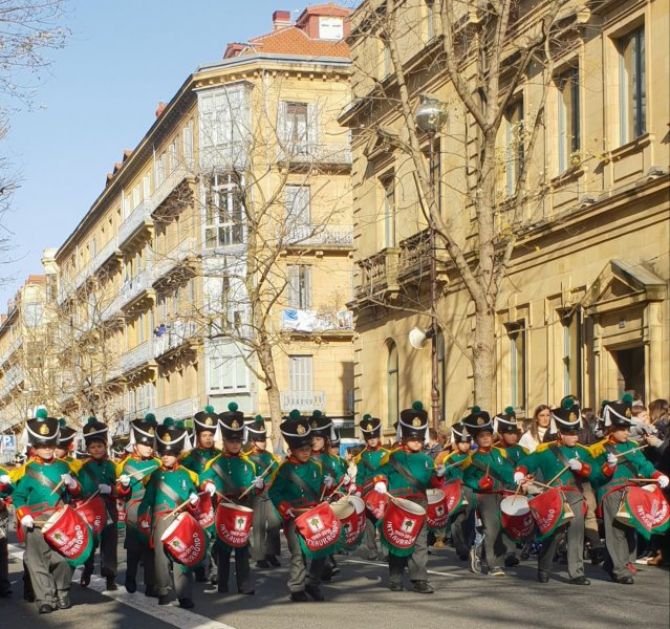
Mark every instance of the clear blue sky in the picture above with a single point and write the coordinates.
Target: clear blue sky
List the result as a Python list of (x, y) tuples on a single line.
[(99, 97)]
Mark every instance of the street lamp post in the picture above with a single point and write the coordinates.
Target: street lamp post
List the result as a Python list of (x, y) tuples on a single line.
[(430, 118)]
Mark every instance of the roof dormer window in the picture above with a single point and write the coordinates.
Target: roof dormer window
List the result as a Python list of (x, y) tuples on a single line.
[(331, 28)]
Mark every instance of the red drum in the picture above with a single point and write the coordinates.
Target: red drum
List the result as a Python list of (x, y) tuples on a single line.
[(645, 509), (401, 526), (69, 535), (436, 511), (233, 524), (185, 541), (516, 518), (94, 512), (376, 504), (205, 511), (455, 497), (319, 531), (350, 511), (121, 510), (550, 511)]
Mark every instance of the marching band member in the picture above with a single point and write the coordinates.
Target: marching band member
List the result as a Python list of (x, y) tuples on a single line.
[(508, 430), (406, 473), (133, 474), (368, 461), (230, 474), (265, 542), (65, 446), (97, 475), (44, 482), (619, 465), (488, 473), (565, 463), (166, 489), (297, 486), (6, 489)]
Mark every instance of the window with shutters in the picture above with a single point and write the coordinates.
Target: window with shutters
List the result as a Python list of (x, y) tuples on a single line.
[(392, 385), (389, 210), (227, 371), (632, 86), (516, 334), (225, 215), (569, 139), (297, 204), (298, 127), (299, 286), (300, 373), (513, 144)]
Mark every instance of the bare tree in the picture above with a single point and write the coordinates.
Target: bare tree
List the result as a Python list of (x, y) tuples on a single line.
[(481, 53)]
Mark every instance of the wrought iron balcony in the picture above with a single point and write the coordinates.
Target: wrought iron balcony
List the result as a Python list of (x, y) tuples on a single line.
[(138, 356), (105, 253), (135, 286), (302, 400), (164, 264), (13, 378), (379, 273), (311, 153), (139, 217), (171, 336), (13, 347), (322, 235), (169, 184)]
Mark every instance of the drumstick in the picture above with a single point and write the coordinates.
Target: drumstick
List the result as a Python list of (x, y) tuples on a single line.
[(620, 454), (643, 480), (181, 506), (567, 467), (248, 489), (220, 495), (57, 487), (323, 492)]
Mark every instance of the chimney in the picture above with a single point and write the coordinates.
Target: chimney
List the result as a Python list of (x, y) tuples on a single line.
[(281, 19)]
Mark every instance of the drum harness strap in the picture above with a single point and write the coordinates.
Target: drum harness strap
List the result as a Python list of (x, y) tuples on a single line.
[(310, 494), (609, 448), (475, 462), (413, 484), (228, 485), (41, 478), (564, 461)]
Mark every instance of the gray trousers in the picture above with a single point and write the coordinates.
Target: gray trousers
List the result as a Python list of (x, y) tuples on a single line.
[(136, 551), (370, 548), (494, 540), (463, 524), (265, 532), (590, 521), (182, 576), (299, 574), (416, 563), (108, 559), (575, 533), (620, 539), (50, 573)]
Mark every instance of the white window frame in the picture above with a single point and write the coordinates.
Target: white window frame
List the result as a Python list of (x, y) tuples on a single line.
[(224, 187), (301, 372), (227, 371)]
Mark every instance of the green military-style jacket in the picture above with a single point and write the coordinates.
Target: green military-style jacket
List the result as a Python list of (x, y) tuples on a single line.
[(407, 474), (493, 462), (165, 490), (368, 463), (36, 480), (92, 473), (263, 460), (550, 458), (633, 465), (296, 485), (140, 471), (198, 458), (454, 463), (514, 453), (232, 474)]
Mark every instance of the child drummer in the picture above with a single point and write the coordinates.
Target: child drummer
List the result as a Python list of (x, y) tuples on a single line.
[(168, 487), (6, 489), (44, 482), (407, 473), (297, 486), (618, 465), (97, 475), (230, 474)]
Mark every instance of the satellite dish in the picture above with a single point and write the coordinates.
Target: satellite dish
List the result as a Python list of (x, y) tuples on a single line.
[(417, 338)]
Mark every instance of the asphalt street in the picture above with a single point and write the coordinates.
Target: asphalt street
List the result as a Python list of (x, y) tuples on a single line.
[(358, 597)]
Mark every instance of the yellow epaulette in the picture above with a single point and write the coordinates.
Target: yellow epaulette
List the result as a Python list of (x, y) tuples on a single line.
[(544, 445), (597, 448), (192, 474), (17, 473), (502, 451), (466, 463), (211, 461), (118, 468), (387, 456), (245, 457)]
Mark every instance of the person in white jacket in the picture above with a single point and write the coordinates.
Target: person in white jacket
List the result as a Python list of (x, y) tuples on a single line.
[(538, 427)]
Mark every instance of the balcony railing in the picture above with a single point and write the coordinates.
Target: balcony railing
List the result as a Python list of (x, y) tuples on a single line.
[(137, 356), (13, 346), (135, 286), (302, 400), (308, 321), (170, 182), (169, 337), (104, 254), (415, 256), (181, 409), (337, 154), (134, 221), (379, 272), (165, 264), (334, 236)]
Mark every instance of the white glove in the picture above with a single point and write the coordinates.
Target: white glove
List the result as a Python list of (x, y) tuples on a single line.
[(663, 481), (440, 471), (612, 459), (105, 489), (193, 499), (259, 482), (210, 488), (519, 477), (69, 482), (328, 481), (346, 479), (124, 479), (575, 465), (5, 480), (654, 441), (27, 522), (353, 489), (289, 513), (380, 487)]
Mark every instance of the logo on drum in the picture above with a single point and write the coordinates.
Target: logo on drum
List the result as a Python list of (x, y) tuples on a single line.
[(177, 544), (315, 524), (240, 522), (408, 525)]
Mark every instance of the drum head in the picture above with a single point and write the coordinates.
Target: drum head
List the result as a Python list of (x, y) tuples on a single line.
[(409, 506), (171, 529), (515, 505), (343, 508), (54, 517), (358, 503), (650, 487), (230, 505), (434, 495)]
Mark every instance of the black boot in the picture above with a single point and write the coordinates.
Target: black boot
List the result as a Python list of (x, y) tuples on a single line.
[(315, 592), (423, 587)]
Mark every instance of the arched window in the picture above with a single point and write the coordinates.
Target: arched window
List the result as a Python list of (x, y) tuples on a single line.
[(392, 382)]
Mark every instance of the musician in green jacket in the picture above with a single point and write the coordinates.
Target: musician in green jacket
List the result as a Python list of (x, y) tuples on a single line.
[(168, 487), (133, 474), (42, 484), (297, 486), (6, 489), (619, 461), (265, 541), (508, 430), (565, 464), (368, 461), (231, 474), (65, 445), (97, 475), (406, 473), (488, 473)]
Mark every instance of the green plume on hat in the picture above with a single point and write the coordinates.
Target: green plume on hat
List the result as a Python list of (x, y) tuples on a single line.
[(150, 418), (316, 414), (232, 406), (367, 416), (180, 424), (62, 423), (41, 413), (258, 418), (91, 420), (476, 409), (209, 408), (627, 398), (568, 403), (294, 414), (417, 405), (509, 410), (168, 422)]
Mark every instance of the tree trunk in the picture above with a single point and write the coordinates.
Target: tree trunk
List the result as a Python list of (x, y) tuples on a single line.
[(484, 357), (266, 360)]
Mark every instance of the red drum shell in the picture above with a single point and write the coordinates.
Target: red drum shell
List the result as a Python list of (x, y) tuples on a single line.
[(233, 524), (185, 541)]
